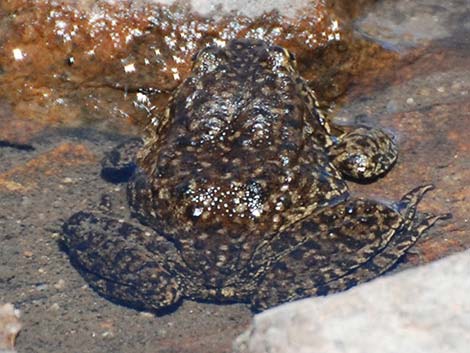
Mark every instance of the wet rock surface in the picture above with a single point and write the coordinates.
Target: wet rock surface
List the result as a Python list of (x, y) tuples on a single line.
[(420, 310), (59, 116)]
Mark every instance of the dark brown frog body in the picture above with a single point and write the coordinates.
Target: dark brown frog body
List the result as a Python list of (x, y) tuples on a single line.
[(242, 181)]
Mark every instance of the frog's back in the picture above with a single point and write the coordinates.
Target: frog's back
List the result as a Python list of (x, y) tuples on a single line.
[(237, 157)]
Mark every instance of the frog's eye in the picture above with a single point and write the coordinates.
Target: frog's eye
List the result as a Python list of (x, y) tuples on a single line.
[(282, 58), (291, 55), (209, 59)]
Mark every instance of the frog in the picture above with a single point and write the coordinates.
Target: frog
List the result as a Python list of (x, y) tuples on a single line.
[(239, 194)]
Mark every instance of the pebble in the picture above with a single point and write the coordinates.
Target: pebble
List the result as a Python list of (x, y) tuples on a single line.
[(425, 92), (60, 284), (41, 286), (54, 307), (147, 315), (392, 106), (26, 201), (56, 235), (456, 86)]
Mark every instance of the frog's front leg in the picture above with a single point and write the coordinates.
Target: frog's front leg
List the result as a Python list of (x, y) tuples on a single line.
[(344, 245), (119, 164), (364, 153), (123, 262)]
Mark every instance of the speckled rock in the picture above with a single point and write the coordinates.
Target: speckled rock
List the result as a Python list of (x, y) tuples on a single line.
[(426, 309)]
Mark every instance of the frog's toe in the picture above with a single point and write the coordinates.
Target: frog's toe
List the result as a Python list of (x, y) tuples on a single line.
[(412, 198), (119, 165), (408, 205), (121, 262), (364, 153), (425, 221)]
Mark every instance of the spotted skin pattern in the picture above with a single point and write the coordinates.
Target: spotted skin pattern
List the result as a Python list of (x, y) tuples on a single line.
[(239, 195)]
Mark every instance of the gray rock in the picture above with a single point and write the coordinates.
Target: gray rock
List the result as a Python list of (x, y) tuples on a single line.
[(422, 310), (250, 8)]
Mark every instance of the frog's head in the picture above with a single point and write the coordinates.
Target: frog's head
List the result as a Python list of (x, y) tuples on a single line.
[(244, 55), (281, 59), (210, 59)]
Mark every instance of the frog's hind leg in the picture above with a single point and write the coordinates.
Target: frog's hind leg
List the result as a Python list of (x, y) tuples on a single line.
[(410, 232), (121, 262), (342, 246)]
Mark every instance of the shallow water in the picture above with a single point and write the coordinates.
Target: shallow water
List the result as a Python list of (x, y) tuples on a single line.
[(74, 83)]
